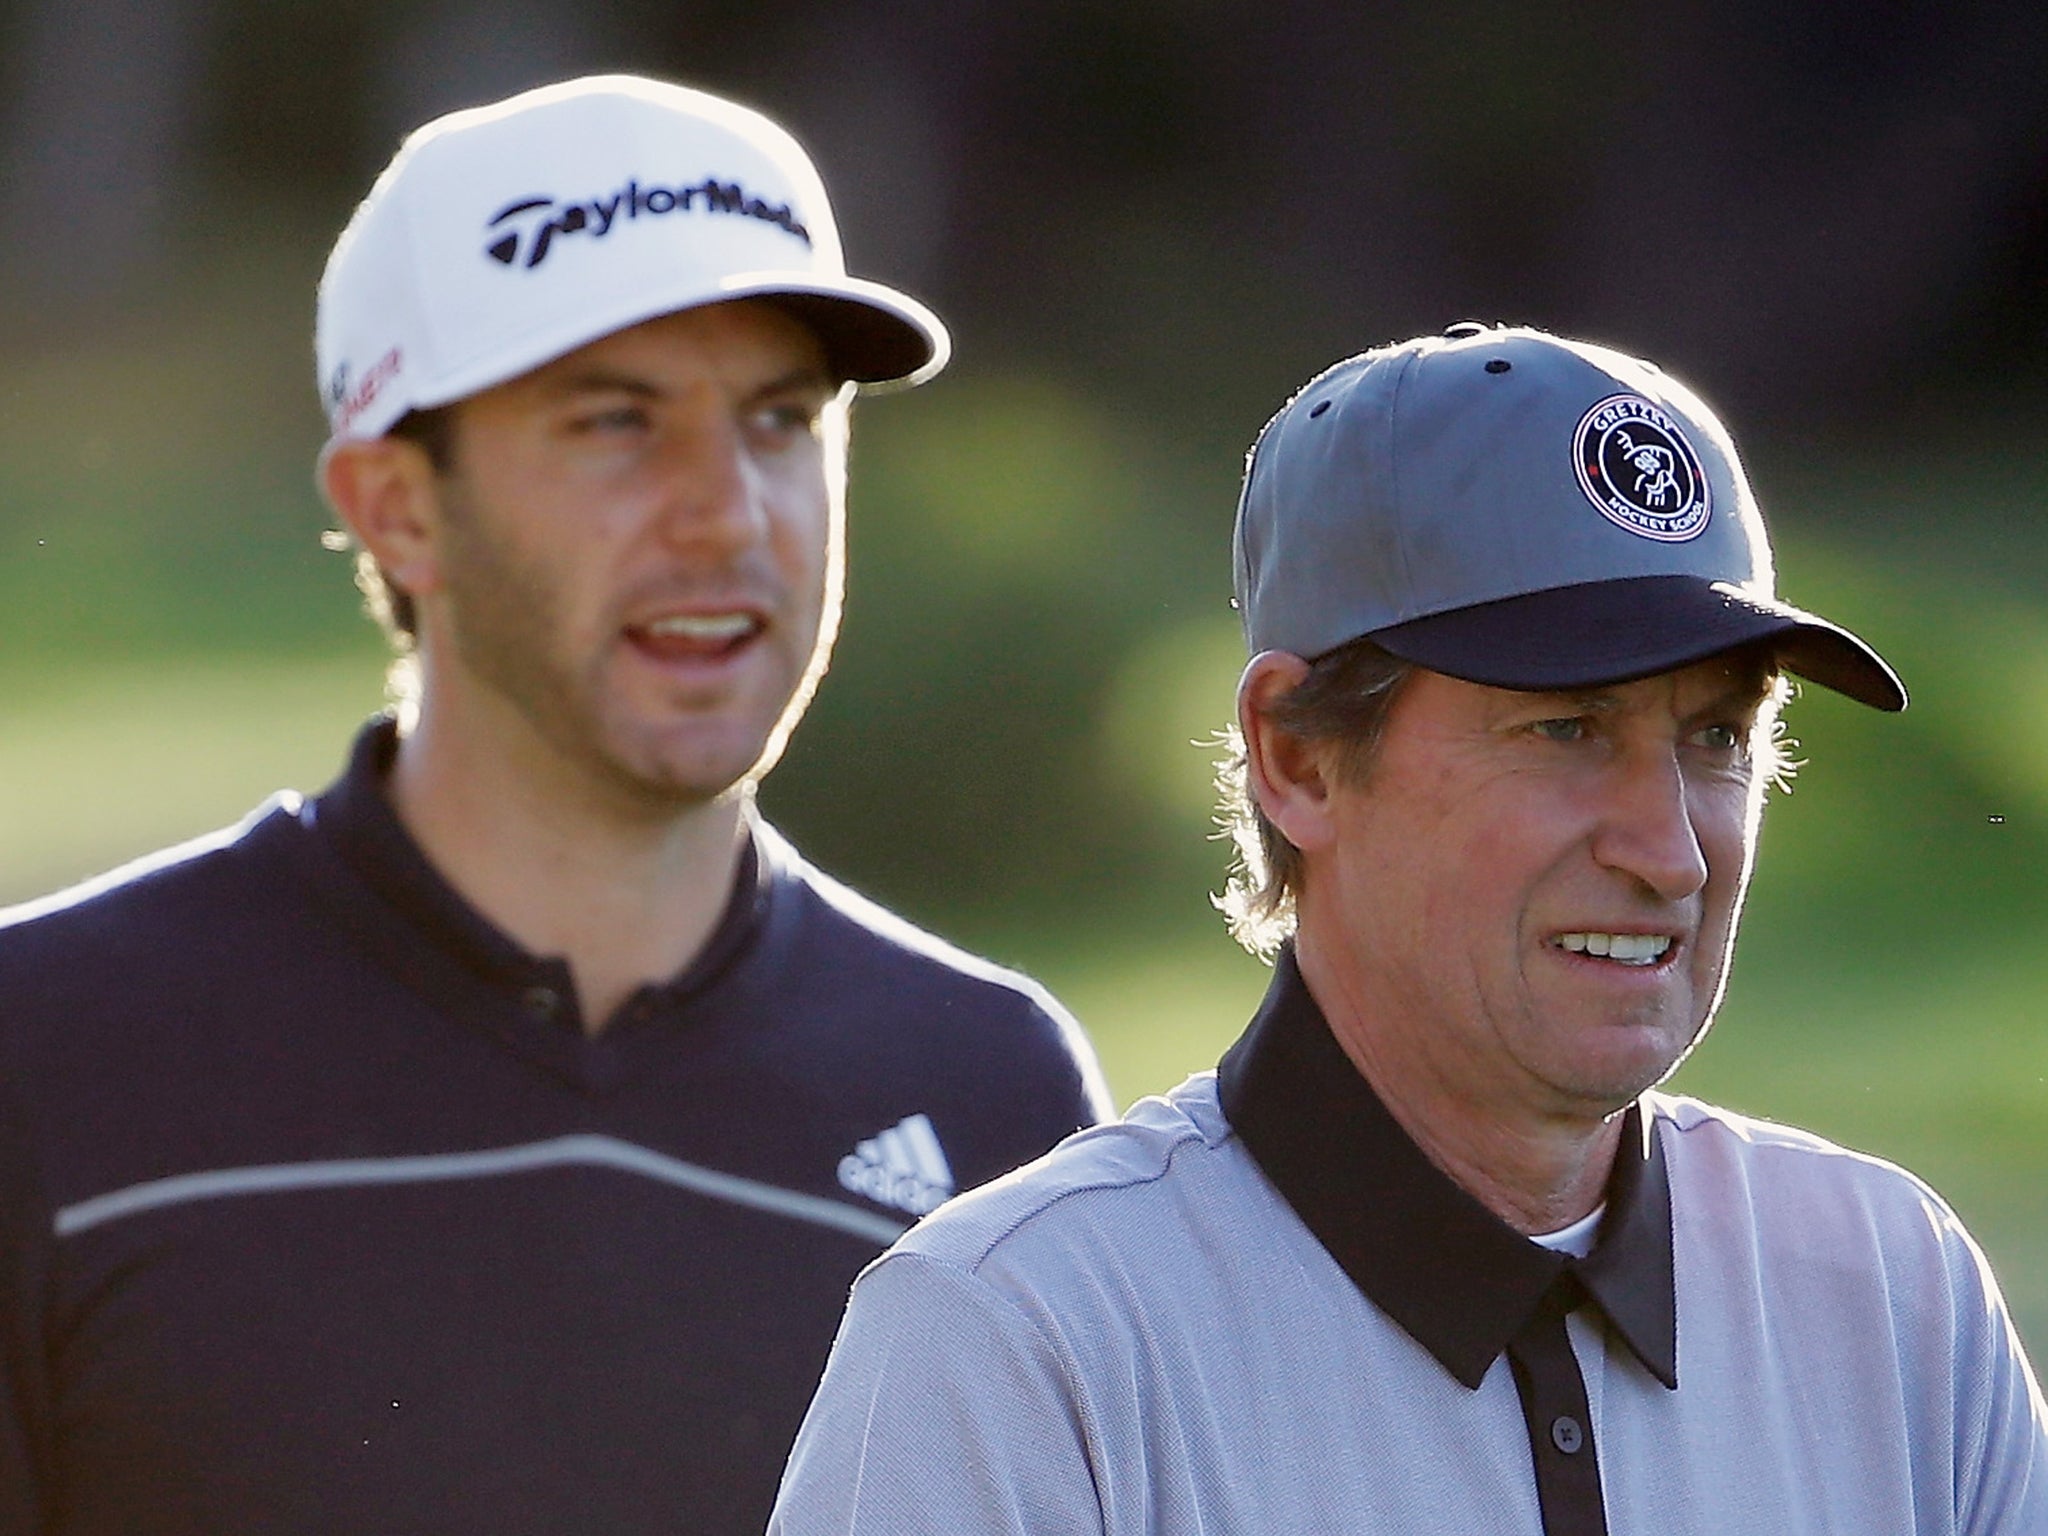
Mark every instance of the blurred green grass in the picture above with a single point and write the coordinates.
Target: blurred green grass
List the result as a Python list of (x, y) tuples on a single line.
[(102, 763), (1938, 1061), (1038, 629)]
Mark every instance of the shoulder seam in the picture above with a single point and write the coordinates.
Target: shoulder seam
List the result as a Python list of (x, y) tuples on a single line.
[(1782, 1139), (1026, 1217)]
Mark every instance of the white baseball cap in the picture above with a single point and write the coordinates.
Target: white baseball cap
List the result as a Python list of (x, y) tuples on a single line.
[(502, 237)]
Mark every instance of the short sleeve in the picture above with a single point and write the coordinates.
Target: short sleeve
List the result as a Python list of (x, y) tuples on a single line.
[(2001, 1430), (944, 1409)]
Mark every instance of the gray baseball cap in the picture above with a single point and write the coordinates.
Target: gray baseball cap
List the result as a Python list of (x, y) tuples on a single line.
[(1515, 509)]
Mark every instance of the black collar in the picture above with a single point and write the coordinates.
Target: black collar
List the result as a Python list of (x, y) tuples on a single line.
[(1458, 1279), (356, 819)]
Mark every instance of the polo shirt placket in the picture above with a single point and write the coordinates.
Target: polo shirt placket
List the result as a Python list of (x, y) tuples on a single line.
[(1553, 1395), (1456, 1278), (527, 1004)]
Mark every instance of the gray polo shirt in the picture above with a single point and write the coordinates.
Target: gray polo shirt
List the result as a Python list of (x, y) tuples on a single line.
[(1254, 1306)]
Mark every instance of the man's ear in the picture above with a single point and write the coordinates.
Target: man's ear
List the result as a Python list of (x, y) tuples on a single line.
[(1290, 778), (387, 495)]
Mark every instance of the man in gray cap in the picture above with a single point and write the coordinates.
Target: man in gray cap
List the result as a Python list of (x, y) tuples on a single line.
[(486, 1144), (1429, 1253)]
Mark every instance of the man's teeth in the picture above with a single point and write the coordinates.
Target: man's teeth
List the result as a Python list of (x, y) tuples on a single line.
[(709, 627), (1628, 948)]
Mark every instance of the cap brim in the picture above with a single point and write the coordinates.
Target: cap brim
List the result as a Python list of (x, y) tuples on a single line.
[(880, 338), (873, 335), (1603, 632)]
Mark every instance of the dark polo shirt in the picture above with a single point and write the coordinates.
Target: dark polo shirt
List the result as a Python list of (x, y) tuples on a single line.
[(321, 1212)]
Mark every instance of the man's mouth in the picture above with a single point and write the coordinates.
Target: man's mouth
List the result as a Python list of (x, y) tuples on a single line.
[(695, 636), (1622, 948)]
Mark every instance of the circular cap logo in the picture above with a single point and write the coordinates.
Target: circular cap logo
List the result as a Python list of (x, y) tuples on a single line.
[(1638, 469)]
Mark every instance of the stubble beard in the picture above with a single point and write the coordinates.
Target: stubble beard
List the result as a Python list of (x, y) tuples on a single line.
[(507, 627)]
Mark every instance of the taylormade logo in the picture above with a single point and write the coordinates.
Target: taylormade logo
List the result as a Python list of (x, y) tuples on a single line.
[(523, 232)]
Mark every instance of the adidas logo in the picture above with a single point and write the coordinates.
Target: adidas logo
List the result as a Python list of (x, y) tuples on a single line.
[(903, 1166)]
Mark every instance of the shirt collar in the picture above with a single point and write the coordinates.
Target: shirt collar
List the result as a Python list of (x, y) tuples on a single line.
[(1458, 1279), (356, 818)]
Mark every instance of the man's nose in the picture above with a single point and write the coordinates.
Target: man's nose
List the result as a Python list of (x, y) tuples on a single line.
[(710, 485), (1646, 828)]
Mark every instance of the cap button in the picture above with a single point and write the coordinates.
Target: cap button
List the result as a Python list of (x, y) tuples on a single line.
[(1466, 328)]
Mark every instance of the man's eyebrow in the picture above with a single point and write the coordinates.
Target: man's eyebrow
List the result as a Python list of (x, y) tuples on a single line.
[(1743, 693), (1585, 700), (591, 381), (800, 378)]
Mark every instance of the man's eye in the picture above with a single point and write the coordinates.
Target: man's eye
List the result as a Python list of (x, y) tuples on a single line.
[(789, 419), (1719, 738), (1563, 728), (624, 418)]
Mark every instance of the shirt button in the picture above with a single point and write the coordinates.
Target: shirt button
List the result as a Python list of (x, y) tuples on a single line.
[(1566, 1435), (541, 1000)]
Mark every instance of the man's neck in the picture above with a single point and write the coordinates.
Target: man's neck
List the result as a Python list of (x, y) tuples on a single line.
[(1537, 1173), (624, 898)]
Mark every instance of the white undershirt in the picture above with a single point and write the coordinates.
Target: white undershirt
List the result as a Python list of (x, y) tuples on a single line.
[(1576, 1239)]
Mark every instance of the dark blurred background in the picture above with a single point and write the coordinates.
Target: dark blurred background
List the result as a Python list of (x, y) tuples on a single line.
[(1146, 223)]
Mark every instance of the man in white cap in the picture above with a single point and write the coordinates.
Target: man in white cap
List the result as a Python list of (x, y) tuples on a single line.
[(1428, 1253), (487, 1143)]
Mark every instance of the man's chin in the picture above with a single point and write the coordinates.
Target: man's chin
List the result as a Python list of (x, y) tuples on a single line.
[(663, 784), (1631, 1057)]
